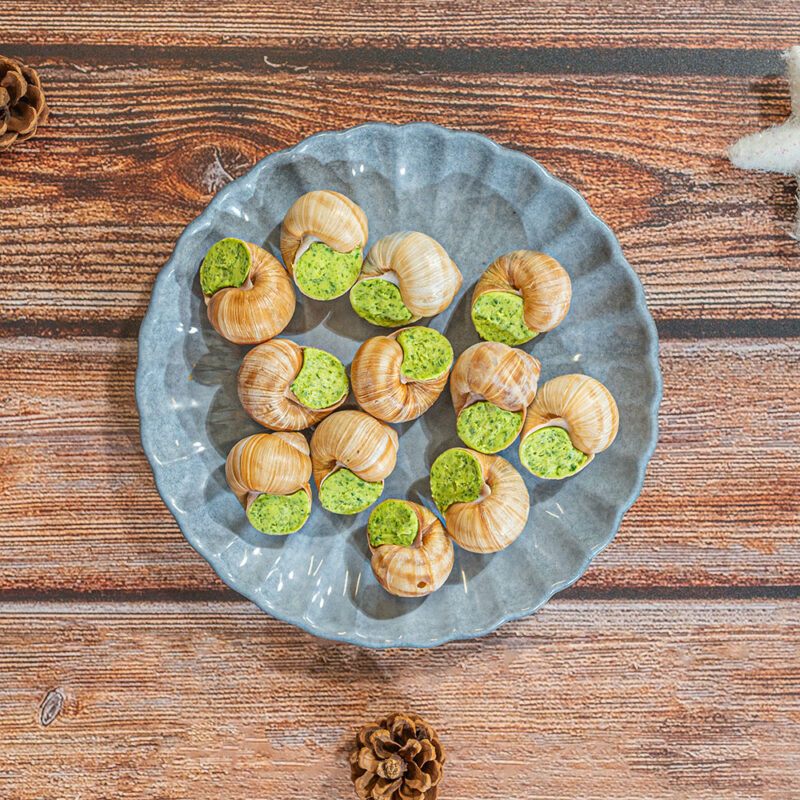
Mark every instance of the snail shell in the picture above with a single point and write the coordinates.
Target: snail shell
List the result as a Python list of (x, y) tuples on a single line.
[(258, 309), (495, 372), (354, 440), (422, 567), (543, 283), (268, 463), (426, 276), (323, 216), (498, 516), (265, 377), (579, 404), (382, 390)]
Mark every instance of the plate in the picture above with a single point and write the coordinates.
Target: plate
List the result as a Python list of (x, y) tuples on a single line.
[(479, 200)]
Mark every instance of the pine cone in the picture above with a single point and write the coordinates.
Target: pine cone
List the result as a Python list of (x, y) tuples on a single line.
[(22, 104), (397, 758)]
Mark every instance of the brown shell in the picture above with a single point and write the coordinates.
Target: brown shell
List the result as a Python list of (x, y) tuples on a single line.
[(265, 376), (421, 568), (543, 283), (498, 516), (495, 372), (258, 309), (427, 277), (379, 387), (271, 463), (325, 216), (579, 404), (354, 440)]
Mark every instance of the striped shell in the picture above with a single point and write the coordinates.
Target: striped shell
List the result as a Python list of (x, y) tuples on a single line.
[(426, 276), (579, 404), (323, 216), (379, 387), (498, 516), (258, 309), (265, 376), (354, 440), (492, 371), (422, 567), (543, 283), (271, 463)]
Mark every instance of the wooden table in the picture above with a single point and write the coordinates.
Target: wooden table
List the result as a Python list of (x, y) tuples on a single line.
[(670, 670)]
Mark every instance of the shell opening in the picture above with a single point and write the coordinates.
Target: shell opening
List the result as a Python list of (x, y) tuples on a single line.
[(487, 428), (227, 263), (498, 317), (278, 514), (456, 477), (427, 355), (343, 492), (378, 300), (323, 273), (548, 452), (321, 381), (393, 522)]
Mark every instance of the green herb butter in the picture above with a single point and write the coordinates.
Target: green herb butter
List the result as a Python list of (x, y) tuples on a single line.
[(345, 493), (497, 317), (549, 453), (277, 514), (456, 477), (324, 273), (378, 301), (426, 354), (321, 381), (392, 522), (227, 263), (485, 427)]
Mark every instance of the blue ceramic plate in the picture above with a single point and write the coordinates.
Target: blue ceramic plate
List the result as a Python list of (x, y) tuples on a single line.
[(479, 200)]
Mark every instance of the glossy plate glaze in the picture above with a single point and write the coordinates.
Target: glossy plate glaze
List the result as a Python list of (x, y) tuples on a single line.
[(479, 200)]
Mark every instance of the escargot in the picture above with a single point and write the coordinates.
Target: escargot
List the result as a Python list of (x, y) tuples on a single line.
[(483, 499), (351, 455), (322, 243), (269, 474), (520, 294), (398, 377), (492, 386), (406, 275), (412, 555), (249, 295), (572, 418), (287, 387)]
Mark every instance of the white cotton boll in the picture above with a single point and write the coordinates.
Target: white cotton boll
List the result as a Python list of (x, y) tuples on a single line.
[(773, 150), (776, 149)]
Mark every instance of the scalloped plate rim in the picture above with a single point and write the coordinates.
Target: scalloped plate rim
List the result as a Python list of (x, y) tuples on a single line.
[(651, 357)]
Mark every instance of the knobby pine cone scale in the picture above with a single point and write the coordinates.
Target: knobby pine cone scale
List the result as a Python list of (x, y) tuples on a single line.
[(397, 758), (22, 104)]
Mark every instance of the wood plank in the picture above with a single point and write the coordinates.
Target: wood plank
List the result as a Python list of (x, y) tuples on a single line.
[(719, 507), (591, 700), (134, 152), (406, 23)]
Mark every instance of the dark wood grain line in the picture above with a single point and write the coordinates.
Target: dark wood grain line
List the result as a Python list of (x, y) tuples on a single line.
[(674, 328), (219, 592), (532, 60), (728, 328)]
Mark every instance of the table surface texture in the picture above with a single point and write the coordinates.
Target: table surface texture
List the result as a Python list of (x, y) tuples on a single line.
[(128, 669)]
